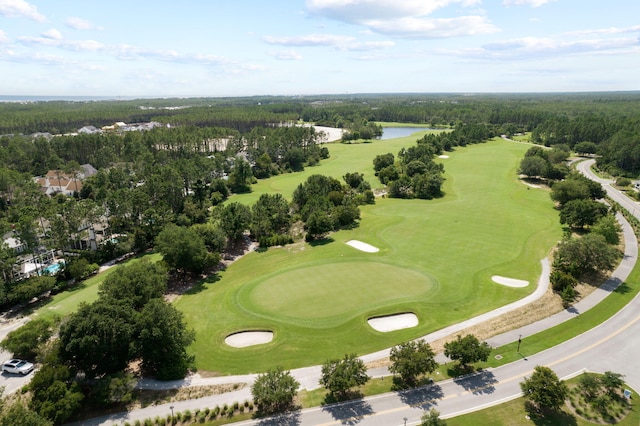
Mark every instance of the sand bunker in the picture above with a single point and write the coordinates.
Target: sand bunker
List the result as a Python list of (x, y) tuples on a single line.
[(443, 156), (393, 322), (363, 246), (248, 338), (509, 282)]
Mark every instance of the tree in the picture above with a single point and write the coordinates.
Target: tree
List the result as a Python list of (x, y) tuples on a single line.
[(467, 350), (273, 391), (99, 338), (18, 414), (544, 389), (412, 359), (432, 418), (612, 382), (585, 148), (589, 253), (235, 218), (163, 340), (609, 228), (55, 395), (382, 161), (25, 341), (135, 284), (270, 215), (569, 189), (534, 166), (340, 375), (182, 248), (581, 213)]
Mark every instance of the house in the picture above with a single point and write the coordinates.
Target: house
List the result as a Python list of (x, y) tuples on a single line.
[(59, 182)]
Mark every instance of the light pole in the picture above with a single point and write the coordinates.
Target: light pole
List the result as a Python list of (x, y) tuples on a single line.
[(519, 341), (172, 418), (405, 421)]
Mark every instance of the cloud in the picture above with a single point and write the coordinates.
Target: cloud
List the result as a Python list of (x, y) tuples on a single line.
[(3, 37), (310, 40), (80, 24), (338, 42), (533, 48), (532, 3), (287, 55), (52, 34), (406, 18), (53, 38), (20, 9), (434, 28), (361, 11)]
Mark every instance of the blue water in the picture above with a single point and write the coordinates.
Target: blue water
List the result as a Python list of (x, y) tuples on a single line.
[(400, 132), (52, 269)]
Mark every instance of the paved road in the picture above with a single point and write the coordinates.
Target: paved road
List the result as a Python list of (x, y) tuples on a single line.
[(11, 382), (611, 346)]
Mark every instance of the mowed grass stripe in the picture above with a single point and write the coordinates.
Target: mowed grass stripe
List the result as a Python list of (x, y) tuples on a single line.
[(488, 223)]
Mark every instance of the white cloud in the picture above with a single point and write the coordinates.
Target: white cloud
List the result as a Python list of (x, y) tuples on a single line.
[(52, 34), (534, 48), (338, 42), (3, 37), (309, 40), (49, 39), (611, 30), (359, 11), (20, 9), (532, 3), (80, 24), (434, 28), (287, 55), (404, 18)]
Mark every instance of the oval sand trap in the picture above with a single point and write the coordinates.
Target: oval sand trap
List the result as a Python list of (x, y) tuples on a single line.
[(393, 322), (509, 282), (248, 338), (363, 246), (443, 156)]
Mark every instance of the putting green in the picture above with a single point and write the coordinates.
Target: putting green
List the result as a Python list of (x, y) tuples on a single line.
[(350, 287)]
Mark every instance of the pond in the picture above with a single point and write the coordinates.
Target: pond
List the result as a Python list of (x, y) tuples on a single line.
[(400, 132)]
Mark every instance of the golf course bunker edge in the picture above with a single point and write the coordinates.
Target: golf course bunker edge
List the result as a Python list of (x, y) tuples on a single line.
[(393, 322), (243, 339)]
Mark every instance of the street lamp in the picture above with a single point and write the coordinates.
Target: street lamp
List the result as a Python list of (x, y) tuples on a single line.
[(172, 418), (405, 421), (519, 341)]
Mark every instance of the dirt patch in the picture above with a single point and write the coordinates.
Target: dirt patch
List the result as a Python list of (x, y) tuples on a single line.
[(154, 397)]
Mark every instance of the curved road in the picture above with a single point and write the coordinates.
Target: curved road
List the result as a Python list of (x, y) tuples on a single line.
[(613, 346)]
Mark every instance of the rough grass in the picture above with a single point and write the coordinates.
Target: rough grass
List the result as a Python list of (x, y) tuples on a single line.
[(435, 260)]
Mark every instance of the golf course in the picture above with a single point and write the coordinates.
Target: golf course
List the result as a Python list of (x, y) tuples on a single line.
[(435, 259)]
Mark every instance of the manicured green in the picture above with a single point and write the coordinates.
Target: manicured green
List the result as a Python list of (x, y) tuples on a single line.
[(436, 260)]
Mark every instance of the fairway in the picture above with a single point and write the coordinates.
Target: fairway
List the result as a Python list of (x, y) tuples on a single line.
[(435, 260)]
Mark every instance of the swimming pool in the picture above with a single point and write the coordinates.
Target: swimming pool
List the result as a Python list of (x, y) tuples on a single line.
[(53, 269)]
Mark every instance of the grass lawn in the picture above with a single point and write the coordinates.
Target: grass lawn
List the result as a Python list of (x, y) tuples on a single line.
[(513, 413), (436, 260), (64, 303)]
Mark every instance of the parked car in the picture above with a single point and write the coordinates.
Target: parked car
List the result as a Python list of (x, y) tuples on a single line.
[(17, 366)]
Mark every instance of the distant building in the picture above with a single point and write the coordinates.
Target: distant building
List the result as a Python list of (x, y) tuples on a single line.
[(60, 182)]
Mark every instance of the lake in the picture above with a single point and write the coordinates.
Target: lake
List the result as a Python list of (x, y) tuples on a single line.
[(400, 132)]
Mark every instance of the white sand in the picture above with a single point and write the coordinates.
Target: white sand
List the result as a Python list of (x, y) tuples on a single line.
[(393, 322), (443, 156), (248, 338), (363, 246), (509, 282)]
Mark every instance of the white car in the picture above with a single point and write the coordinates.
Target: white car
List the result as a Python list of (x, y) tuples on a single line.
[(17, 366)]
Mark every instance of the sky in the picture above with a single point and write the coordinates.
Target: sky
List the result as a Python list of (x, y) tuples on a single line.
[(213, 48)]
